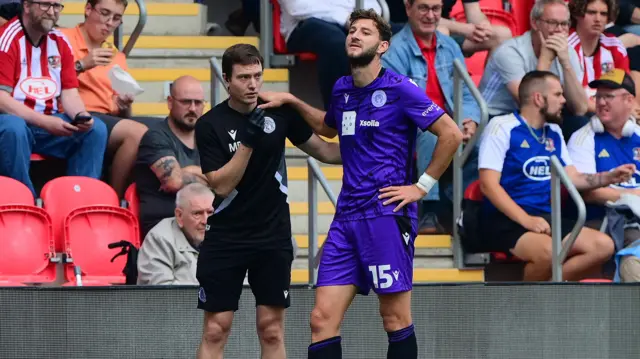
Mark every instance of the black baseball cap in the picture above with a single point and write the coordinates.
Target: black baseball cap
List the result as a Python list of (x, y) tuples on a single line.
[(615, 79)]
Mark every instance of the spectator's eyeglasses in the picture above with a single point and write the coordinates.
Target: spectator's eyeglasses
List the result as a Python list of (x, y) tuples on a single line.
[(45, 6), (106, 15), (424, 9), (187, 102), (608, 97), (555, 24)]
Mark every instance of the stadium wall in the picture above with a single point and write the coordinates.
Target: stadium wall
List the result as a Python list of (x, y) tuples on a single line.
[(482, 321)]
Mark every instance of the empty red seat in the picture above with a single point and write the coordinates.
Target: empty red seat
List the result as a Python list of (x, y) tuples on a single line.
[(62, 195), (521, 10), (133, 201), (279, 43), (458, 7), (27, 253), (476, 64), (88, 231), (14, 192)]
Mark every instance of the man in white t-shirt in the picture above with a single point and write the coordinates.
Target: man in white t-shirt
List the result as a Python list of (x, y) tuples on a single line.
[(545, 48), (320, 27)]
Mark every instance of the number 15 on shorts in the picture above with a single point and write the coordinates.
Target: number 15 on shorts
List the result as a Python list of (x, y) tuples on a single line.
[(383, 277)]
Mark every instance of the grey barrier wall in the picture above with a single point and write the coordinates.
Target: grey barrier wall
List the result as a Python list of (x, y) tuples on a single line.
[(481, 321)]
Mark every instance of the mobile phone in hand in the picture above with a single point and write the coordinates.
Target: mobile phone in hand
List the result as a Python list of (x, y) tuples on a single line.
[(80, 119)]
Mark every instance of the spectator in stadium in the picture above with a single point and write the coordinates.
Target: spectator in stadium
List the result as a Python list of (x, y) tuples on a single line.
[(169, 252), (320, 27), (598, 53), (94, 59), (629, 16), (241, 149), (168, 158), (9, 9), (477, 33), (611, 139), (544, 47), (414, 52), (35, 83), (515, 180)]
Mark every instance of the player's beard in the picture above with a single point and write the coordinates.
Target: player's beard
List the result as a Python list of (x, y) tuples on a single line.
[(550, 117), (363, 59)]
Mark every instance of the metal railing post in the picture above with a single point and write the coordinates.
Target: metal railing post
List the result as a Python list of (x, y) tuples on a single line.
[(559, 250), (266, 32), (142, 21), (461, 77), (386, 14), (216, 78), (313, 224), (359, 4)]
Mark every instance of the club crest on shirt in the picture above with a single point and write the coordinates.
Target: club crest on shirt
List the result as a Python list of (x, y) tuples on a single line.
[(379, 98), (549, 145), (346, 98), (606, 67), (636, 153), (269, 125), (54, 61)]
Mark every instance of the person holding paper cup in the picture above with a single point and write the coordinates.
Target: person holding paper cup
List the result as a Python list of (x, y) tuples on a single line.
[(95, 60)]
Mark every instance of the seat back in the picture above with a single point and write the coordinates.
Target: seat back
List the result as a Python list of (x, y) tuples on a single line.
[(133, 201), (27, 247), (62, 195), (279, 43), (88, 231), (473, 192), (458, 7), (521, 10), (14, 192)]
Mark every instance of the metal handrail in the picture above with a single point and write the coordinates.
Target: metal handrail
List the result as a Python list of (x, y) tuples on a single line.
[(559, 176), (266, 32), (216, 77), (460, 76), (142, 21), (315, 176)]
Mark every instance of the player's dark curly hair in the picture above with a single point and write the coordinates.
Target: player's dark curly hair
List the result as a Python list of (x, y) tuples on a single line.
[(578, 8), (381, 24)]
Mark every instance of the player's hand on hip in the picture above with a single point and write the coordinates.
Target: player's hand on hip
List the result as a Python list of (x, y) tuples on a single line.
[(402, 194), (58, 127), (621, 173), (274, 99), (537, 225), (254, 130)]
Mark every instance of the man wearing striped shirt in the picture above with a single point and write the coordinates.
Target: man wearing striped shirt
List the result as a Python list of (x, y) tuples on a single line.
[(38, 80)]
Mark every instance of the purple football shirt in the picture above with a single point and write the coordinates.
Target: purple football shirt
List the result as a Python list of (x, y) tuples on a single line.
[(377, 126)]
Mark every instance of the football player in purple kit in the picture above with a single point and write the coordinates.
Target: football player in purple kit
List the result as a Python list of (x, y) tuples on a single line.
[(370, 244)]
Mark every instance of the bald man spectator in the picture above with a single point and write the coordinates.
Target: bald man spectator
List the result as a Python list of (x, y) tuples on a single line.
[(168, 158), (169, 253)]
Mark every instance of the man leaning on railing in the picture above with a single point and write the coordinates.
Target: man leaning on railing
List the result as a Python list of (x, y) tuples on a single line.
[(514, 165)]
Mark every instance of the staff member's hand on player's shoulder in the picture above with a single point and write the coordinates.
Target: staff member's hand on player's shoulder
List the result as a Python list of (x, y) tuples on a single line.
[(254, 131), (405, 194), (274, 99)]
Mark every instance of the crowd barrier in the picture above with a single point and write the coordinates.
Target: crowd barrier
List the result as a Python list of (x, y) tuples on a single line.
[(468, 321)]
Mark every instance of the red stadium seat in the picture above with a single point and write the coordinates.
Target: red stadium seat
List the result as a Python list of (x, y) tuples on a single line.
[(62, 195), (36, 157), (26, 239), (473, 192), (484, 4), (279, 44), (521, 10), (14, 192), (88, 231), (476, 64), (133, 201)]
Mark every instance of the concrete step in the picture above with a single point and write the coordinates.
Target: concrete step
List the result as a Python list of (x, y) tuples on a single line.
[(155, 81), (299, 220), (426, 242), (420, 275), (185, 47), (192, 18)]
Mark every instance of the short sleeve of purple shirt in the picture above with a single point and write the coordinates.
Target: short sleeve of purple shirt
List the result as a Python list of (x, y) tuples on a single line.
[(417, 106), (330, 118)]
